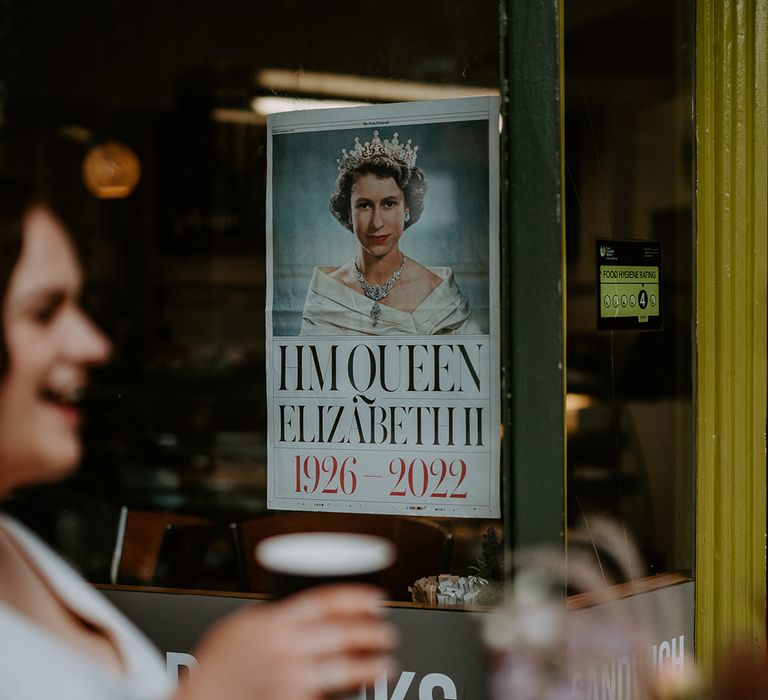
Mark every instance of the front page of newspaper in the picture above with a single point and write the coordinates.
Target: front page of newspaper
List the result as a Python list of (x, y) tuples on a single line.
[(383, 309)]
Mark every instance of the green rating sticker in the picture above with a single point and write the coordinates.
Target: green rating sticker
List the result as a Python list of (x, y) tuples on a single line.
[(629, 285), (629, 291)]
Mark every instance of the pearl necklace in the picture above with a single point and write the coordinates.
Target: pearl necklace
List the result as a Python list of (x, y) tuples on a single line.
[(377, 292)]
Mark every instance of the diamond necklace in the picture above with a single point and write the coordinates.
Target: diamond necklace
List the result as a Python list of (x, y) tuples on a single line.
[(377, 292)]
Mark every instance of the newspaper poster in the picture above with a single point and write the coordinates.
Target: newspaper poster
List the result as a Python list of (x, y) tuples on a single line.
[(383, 309)]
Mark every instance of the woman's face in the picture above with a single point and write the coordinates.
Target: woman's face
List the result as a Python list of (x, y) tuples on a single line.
[(51, 343), (378, 213)]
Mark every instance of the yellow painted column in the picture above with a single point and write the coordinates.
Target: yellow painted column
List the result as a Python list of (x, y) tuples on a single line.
[(732, 228)]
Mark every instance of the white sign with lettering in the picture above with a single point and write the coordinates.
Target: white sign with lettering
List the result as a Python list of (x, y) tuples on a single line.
[(384, 688)]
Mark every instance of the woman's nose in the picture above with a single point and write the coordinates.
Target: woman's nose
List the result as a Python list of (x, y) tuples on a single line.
[(86, 343), (377, 221)]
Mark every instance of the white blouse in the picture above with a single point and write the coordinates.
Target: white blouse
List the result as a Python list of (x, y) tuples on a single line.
[(37, 665)]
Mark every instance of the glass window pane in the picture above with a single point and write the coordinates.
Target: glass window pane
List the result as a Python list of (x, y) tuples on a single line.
[(629, 164), (176, 266)]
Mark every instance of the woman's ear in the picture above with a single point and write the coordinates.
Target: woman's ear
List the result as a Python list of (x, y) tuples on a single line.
[(407, 215)]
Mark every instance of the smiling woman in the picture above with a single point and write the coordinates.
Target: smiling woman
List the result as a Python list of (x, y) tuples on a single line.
[(379, 194), (49, 345)]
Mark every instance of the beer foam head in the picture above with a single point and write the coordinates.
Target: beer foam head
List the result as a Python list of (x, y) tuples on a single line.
[(325, 554)]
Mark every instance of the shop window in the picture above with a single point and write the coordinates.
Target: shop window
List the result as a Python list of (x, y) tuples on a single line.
[(176, 259)]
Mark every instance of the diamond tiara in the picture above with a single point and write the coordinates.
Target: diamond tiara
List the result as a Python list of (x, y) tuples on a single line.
[(402, 153)]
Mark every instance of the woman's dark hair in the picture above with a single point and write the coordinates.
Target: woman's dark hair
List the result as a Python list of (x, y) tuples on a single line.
[(410, 180), (16, 200)]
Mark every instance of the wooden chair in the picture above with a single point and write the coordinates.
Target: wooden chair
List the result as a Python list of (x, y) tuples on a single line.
[(423, 546), (159, 548)]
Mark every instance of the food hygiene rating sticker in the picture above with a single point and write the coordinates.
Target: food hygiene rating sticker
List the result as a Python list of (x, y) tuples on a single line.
[(629, 285)]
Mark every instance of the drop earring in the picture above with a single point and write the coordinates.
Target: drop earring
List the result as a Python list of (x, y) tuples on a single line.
[(407, 216)]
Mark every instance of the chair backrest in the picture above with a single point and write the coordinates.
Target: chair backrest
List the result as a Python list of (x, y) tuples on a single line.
[(423, 546), (156, 548)]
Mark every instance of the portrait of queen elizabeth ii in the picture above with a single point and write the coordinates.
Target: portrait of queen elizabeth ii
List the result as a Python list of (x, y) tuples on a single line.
[(379, 196)]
